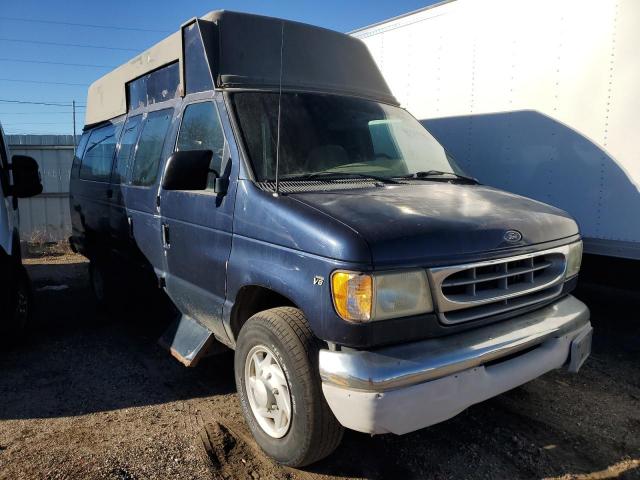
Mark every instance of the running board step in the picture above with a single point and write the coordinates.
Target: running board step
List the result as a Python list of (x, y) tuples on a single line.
[(188, 341)]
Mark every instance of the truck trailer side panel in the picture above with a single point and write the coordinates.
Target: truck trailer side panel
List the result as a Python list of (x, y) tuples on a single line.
[(539, 98)]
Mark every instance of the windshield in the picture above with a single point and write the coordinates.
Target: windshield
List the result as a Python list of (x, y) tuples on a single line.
[(333, 136)]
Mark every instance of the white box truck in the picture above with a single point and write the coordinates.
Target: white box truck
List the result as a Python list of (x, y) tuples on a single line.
[(538, 98), (19, 178)]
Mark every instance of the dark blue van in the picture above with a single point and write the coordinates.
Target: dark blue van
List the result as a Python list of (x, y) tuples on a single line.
[(263, 174)]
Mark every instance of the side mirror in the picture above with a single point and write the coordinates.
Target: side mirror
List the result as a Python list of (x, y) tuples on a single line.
[(26, 177), (189, 170)]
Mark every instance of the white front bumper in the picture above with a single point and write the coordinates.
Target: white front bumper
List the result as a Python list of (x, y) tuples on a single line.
[(404, 388)]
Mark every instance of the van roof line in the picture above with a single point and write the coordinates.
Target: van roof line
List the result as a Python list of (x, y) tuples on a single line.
[(329, 61)]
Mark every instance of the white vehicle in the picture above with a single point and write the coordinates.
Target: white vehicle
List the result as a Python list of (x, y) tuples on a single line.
[(537, 98), (19, 178)]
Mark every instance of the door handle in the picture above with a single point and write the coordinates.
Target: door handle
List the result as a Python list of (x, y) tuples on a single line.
[(130, 223), (166, 241)]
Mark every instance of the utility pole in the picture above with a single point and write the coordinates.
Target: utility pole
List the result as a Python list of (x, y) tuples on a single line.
[(73, 104)]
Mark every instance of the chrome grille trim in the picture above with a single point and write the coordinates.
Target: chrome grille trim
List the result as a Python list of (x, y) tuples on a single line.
[(501, 283)]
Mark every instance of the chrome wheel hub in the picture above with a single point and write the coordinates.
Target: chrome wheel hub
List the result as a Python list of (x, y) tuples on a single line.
[(268, 391)]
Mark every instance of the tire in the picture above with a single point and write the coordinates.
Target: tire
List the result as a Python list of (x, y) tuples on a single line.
[(313, 431), (111, 296), (19, 305)]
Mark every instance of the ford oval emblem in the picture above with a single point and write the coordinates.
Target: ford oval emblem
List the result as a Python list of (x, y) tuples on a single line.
[(512, 236)]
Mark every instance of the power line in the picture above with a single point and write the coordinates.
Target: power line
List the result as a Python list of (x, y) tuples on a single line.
[(26, 102), (89, 25), (35, 123), (78, 45), (36, 113), (43, 82), (36, 132), (19, 60)]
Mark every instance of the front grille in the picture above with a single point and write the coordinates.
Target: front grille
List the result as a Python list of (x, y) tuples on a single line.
[(474, 291)]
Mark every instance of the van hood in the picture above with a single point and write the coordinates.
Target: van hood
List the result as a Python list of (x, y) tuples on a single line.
[(437, 222)]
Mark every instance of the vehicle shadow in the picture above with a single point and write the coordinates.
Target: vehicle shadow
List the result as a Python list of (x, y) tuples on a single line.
[(532, 154), (78, 359)]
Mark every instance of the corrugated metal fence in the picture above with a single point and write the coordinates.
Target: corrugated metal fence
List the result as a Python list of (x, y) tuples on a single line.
[(45, 218)]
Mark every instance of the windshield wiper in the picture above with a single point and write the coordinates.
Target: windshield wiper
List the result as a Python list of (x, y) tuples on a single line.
[(429, 174), (338, 176)]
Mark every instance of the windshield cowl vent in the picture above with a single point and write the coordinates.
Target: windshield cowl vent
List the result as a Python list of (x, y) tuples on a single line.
[(300, 186)]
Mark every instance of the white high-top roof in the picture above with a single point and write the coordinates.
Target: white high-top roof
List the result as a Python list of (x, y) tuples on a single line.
[(247, 51), (107, 96)]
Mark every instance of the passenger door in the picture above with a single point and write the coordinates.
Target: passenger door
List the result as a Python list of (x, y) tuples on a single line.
[(140, 191), (197, 226), (120, 220)]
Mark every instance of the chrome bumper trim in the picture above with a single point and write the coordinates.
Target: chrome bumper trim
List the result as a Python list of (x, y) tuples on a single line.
[(404, 365), (438, 275)]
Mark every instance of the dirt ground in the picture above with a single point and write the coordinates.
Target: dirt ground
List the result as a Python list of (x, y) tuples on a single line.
[(92, 395)]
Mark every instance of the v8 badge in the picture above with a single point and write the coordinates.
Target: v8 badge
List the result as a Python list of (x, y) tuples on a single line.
[(318, 280)]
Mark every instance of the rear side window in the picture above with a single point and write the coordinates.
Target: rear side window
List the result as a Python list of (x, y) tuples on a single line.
[(157, 86), (201, 130), (149, 151), (81, 146), (98, 155), (127, 142)]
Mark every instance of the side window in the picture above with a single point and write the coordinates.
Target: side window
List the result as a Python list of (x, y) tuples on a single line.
[(147, 156), (98, 156), (196, 75), (201, 130), (82, 144), (127, 142)]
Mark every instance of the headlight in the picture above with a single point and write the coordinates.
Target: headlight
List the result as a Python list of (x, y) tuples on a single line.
[(574, 259), (360, 297)]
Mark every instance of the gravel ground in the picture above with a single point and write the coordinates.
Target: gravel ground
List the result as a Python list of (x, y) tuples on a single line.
[(91, 395)]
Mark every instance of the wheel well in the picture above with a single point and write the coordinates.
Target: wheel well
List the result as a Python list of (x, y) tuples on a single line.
[(251, 300)]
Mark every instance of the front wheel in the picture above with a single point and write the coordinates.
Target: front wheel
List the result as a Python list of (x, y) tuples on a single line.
[(276, 367)]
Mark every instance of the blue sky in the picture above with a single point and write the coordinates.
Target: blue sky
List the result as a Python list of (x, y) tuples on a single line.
[(50, 82)]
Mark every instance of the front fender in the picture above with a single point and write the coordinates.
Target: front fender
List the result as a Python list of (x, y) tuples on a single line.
[(299, 276)]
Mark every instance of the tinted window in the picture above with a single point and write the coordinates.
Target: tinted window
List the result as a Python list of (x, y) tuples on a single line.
[(157, 86), (82, 144), (127, 142), (197, 76), (98, 155), (77, 158), (149, 150), (201, 130), (335, 136)]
